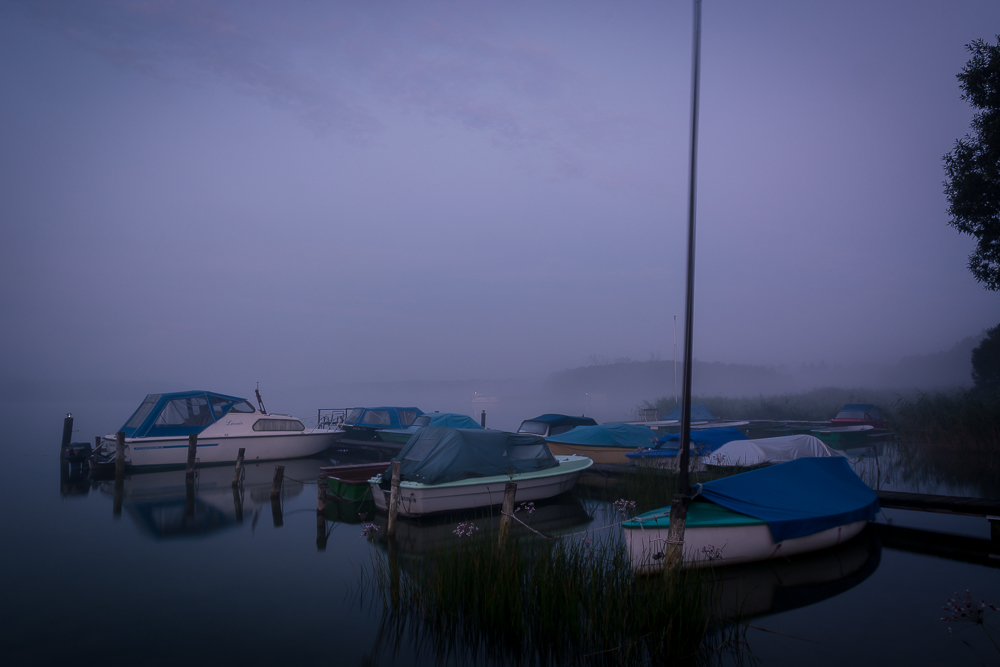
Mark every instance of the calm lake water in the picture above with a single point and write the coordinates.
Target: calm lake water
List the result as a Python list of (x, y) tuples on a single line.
[(154, 587)]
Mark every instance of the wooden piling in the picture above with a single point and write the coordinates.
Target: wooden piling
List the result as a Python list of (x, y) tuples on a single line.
[(393, 500), (482, 419), (119, 455), (994, 528), (321, 493), (238, 473), (507, 511), (67, 430), (279, 476), (192, 454)]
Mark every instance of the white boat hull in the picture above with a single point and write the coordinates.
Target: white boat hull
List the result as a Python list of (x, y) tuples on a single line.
[(418, 499), (141, 452), (737, 544)]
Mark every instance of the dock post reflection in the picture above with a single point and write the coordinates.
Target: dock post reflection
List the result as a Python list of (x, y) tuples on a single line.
[(119, 472), (276, 512), (189, 496), (321, 536), (238, 504), (238, 473)]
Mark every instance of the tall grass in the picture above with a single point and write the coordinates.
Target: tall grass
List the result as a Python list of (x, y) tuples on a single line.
[(816, 405), (550, 602), (966, 419)]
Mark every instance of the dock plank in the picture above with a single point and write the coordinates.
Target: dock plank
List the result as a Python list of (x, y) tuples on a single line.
[(923, 502)]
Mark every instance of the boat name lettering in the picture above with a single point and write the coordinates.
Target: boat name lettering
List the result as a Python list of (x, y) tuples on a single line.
[(230, 422)]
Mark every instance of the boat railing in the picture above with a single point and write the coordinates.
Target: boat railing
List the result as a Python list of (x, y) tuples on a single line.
[(331, 418)]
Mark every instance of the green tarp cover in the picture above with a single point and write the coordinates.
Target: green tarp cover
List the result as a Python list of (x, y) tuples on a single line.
[(437, 455)]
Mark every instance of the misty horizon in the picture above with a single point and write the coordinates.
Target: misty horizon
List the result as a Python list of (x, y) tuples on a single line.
[(216, 194)]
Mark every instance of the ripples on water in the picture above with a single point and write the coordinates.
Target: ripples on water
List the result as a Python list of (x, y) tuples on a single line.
[(234, 578)]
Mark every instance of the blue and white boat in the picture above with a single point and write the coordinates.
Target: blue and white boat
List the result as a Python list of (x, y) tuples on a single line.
[(157, 432), (795, 507), (364, 426)]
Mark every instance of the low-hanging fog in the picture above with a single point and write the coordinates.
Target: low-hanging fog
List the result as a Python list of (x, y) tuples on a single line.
[(359, 202)]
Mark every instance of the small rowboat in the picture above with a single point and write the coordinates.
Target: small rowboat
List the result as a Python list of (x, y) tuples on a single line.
[(350, 482), (795, 507)]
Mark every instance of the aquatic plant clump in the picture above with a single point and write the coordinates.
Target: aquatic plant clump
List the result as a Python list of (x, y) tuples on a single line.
[(561, 601)]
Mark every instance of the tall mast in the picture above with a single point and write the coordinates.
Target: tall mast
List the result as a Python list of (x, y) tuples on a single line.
[(679, 505)]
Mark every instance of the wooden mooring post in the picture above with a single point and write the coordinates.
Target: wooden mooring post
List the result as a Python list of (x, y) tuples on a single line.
[(67, 430), (482, 419), (390, 531), (192, 454), (238, 473), (119, 472), (507, 511)]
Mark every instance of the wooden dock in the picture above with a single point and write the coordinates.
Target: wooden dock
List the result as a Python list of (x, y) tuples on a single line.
[(922, 502)]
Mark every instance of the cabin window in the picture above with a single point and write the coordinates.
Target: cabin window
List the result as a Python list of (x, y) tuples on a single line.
[(355, 415), (533, 427), (143, 411), (219, 405), (377, 418), (422, 420), (243, 407), (278, 425), (527, 452), (191, 411), (406, 417)]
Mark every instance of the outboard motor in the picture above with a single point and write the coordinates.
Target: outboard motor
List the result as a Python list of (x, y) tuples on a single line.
[(77, 452)]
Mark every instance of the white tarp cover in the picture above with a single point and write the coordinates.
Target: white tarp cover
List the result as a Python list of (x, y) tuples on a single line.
[(769, 450)]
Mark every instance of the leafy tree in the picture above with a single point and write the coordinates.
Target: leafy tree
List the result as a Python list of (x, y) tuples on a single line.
[(973, 167), (986, 361)]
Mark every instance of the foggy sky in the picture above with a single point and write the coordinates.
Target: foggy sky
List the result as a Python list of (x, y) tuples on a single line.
[(216, 193)]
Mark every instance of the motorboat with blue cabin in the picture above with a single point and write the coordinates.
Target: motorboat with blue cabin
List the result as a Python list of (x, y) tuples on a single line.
[(363, 426), (157, 432)]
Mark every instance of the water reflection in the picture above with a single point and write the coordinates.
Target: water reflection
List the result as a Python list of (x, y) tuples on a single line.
[(164, 505), (557, 516), (783, 584)]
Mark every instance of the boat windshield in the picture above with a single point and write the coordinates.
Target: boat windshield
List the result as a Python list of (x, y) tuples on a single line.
[(243, 407), (192, 411), (376, 418), (355, 415), (143, 411), (533, 427), (849, 414), (422, 420), (406, 417)]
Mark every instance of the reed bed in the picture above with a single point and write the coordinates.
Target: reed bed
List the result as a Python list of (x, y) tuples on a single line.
[(537, 602), (967, 419)]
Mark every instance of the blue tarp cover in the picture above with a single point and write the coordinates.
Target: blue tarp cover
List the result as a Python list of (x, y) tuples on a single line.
[(436, 455), (797, 498), (629, 436), (699, 413), (452, 420), (704, 441)]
